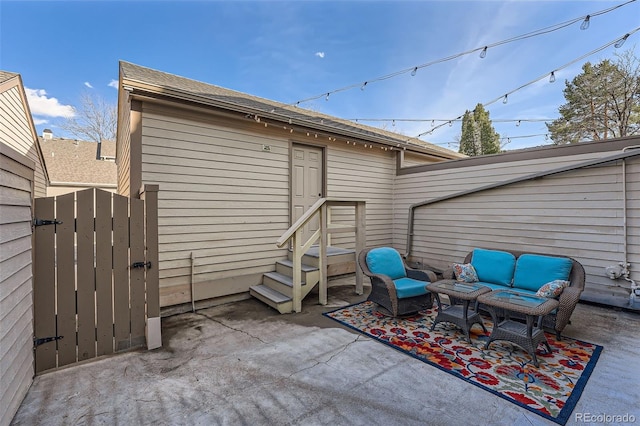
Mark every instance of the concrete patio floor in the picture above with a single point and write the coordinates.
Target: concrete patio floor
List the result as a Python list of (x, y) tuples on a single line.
[(245, 364)]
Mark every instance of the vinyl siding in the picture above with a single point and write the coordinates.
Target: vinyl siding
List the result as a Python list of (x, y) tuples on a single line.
[(221, 197), (16, 132), (578, 213), (16, 316), (226, 200)]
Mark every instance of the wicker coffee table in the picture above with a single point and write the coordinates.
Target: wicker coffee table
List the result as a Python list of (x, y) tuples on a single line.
[(456, 313), (529, 335)]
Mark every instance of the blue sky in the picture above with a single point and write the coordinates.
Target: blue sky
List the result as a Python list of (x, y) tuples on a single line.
[(289, 51)]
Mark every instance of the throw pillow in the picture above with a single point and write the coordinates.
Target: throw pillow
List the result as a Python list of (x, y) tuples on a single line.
[(465, 272), (552, 289)]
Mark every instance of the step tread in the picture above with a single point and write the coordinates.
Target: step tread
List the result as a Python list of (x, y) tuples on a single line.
[(281, 278), (305, 268), (314, 251), (270, 293)]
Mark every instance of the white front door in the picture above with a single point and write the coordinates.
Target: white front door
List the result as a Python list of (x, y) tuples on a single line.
[(307, 178)]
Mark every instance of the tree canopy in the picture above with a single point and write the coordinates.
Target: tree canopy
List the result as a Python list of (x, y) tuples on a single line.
[(96, 120), (478, 135), (602, 102)]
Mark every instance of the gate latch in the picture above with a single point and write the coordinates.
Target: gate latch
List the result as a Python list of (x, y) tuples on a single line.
[(142, 265), (42, 340), (40, 222)]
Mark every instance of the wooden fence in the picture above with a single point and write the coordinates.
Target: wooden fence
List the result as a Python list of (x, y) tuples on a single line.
[(95, 275)]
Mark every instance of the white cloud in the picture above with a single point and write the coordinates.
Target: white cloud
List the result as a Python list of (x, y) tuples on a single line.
[(320, 54), (86, 83), (113, 83), (41, 104), (39, 121)]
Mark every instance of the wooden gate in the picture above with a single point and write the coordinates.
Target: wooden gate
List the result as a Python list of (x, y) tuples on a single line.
[(95, 274)]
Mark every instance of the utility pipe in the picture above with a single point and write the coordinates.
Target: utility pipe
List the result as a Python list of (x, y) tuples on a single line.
[(193, 301), (626, 272)]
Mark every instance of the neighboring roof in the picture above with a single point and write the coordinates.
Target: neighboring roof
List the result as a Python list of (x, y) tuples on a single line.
[(73, 162), (135, 77)]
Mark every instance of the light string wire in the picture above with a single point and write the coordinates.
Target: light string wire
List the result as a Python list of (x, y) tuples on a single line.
[(414, 69), (546, 75)]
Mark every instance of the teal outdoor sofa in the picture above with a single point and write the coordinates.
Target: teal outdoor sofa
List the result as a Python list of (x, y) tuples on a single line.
[(396, 287), (527, 273)]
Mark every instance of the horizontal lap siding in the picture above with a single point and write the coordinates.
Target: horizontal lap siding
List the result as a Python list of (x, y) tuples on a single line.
[(16, 317), (221, 197), (362, 174), (578, 213), (16, 132)]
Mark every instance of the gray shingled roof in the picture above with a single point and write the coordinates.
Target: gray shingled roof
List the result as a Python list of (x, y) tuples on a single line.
[(176, 86), (71, 161)]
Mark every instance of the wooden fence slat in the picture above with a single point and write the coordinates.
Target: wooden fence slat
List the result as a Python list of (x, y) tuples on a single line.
[(86, 275), (66, 284), (136, 238), (44, 285), (104, 249), (121, 264)]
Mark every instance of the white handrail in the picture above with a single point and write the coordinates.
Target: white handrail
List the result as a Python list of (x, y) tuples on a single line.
[(299, 247)]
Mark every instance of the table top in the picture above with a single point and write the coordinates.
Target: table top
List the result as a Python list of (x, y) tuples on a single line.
[(460, 290), (519, 302)]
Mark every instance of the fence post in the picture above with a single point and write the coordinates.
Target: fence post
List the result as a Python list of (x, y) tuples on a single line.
[(153, 330)]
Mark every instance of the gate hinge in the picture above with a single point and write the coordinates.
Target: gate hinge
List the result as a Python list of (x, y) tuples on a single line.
[(39, 341), (40, 222), (141, 265)]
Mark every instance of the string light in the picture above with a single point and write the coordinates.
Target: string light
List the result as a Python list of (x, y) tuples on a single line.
[(621, 41), (327, 97), (483, 49), (505, 97), (585, 23), (413, 73), (552, 77), (483, 54)]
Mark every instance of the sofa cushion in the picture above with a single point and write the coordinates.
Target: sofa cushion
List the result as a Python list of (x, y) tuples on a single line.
[(494, 266), (408, 287), (386, 261), (465, 272), (535, 270)]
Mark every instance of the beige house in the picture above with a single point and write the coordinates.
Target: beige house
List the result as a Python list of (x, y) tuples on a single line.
[(235, 171), (75, 165), (22, 177)]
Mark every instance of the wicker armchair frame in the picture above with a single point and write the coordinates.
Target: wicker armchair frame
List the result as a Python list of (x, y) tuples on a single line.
[(568, 299), (383, 290)]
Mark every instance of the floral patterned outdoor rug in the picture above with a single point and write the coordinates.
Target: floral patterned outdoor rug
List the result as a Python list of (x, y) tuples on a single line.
[(551, 390)]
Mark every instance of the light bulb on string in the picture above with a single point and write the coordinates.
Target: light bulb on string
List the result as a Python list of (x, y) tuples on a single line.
[(393, 123), (585, 23), (290, 121), (415, 70), (518, 123), (620, 42), (433, 123), (364, 85), (483, 54), (552, 77), (327, 97), (505, 99), (450, 123)]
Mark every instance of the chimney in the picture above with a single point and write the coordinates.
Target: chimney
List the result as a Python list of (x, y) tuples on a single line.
[(47, 134), (98, 150)]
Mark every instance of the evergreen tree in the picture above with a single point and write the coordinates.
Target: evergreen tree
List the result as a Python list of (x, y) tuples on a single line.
[(478, 135), (602, 102)]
